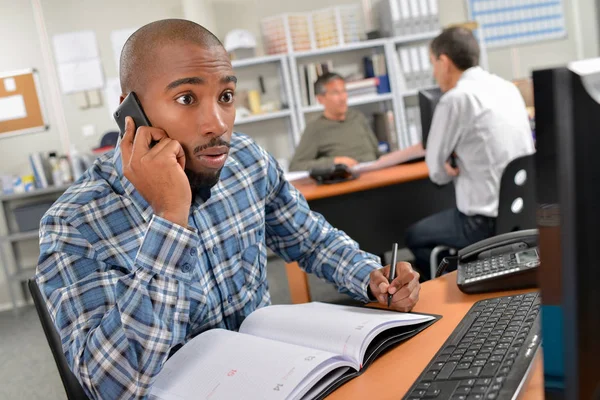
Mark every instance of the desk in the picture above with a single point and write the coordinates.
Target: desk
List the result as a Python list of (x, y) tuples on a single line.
[(390, 376), (375, 209)]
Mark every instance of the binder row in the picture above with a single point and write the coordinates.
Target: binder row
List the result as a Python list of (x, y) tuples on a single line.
[(416, 66), (408, 17), (413, 123)]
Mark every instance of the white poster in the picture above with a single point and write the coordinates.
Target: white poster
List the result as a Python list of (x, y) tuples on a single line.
[(12, 107), (81, 76), (118, 39), (75, 46)]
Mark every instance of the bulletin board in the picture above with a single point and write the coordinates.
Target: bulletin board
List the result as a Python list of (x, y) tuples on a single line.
[(512, 22), (21, 108)]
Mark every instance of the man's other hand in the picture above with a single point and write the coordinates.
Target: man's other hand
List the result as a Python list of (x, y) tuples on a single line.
[(404, 288), (349, 162)]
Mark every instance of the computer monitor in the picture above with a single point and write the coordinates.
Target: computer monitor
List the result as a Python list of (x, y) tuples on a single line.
[(568, 195), (428, 99)]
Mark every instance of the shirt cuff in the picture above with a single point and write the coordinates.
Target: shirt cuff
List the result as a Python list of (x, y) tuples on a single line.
[(169, 249), (365, 267)]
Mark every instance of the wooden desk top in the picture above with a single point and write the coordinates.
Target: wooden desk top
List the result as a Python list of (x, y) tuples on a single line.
[(390, 376), (366, 180)]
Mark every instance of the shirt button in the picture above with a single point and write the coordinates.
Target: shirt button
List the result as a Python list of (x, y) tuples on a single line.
[(193, 252), (215, 250), (260, 233), (186, 267), (230, 298)]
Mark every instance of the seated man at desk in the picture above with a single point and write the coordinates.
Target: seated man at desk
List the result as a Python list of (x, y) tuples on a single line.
[(481, 119), (166, 237), (338, 136)]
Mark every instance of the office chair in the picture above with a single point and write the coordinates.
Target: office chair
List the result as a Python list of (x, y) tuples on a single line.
[(516, 205), (72, 387)]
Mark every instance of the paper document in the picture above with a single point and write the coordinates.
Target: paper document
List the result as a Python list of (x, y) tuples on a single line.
[(292, 176), (10, 85), (81, 76), (118, 39), (75, 46), (12, 107)]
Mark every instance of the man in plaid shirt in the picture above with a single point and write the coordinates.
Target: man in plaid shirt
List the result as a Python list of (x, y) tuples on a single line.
[(156, 244)]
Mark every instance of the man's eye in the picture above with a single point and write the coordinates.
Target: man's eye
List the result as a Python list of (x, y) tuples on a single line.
[(227, 97), (185, 99)]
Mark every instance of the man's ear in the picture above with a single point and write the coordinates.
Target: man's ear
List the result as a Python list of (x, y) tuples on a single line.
[(320, 98), (121, 98)]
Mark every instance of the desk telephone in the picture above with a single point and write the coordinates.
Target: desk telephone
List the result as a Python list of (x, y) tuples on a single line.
[(504, 262), (333, 174)]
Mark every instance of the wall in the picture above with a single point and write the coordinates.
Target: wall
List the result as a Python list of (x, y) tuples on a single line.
[(518, 62), (22, 51)]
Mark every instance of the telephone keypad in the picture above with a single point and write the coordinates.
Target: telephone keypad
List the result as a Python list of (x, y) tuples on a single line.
[(494, 266)]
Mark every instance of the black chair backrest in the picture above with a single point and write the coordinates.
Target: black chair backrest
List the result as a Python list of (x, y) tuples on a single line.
[(72, 387), (517, 207)]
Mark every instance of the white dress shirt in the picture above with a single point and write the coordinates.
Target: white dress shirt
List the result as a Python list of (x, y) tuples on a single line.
[(483, 121)]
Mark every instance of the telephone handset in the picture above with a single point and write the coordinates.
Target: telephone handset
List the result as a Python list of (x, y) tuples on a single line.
[(334, 174), (504, 262)]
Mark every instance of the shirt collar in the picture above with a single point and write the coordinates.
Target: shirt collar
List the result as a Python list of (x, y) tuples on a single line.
[(471, 73), (143, 207)]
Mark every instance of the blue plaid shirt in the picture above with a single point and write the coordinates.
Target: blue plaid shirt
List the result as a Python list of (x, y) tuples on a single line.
[(124, 286)]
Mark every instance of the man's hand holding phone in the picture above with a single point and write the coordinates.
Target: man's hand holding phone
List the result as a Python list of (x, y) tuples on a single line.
[(157, 172)]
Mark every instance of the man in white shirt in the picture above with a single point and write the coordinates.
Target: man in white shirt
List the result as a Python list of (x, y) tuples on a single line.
[(481, 120)]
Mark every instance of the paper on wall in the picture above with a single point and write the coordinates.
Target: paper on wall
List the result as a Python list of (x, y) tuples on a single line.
[(118, 39), (12, 107), (81, 76), (112, 92), (10, 85), (75, 46)]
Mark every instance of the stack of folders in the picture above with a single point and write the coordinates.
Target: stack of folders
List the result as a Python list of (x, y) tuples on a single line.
[(413, 122), (408, 17), (362, 87), (416, 66)]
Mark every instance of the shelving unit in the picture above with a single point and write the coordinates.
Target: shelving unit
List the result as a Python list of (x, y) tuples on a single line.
[(15, 269), (257, 66)]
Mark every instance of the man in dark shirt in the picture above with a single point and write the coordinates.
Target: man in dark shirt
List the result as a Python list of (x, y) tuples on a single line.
[(339, 136)]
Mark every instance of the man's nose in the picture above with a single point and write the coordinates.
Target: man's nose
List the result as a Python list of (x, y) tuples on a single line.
[(212, 119)]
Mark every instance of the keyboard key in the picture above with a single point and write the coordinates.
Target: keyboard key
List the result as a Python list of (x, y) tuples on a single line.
[(459, 397), (479, 363), (475, 397), (496, 387), (432, 393), (447, 350), (492, 396), (447, 370), (429, 376), (443, 358), (483, 381), (423, 386), (455, 357), (490, 370), (436, 366), (504, 371), (472, 372), (479, 390), (418, 393), (464, 390), (468, 359), (468, 382), (463, 365), (496, 358)]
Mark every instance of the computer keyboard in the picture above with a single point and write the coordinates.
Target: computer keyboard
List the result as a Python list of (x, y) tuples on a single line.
[(488, 355)]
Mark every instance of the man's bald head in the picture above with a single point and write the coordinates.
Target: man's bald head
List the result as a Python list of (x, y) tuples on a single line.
[(138, 51)]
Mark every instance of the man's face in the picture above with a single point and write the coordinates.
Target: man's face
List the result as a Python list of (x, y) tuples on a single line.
[(335, 98), (189, 93), (441, 71)]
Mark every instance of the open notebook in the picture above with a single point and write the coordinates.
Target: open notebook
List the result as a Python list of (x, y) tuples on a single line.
[(301, 351)]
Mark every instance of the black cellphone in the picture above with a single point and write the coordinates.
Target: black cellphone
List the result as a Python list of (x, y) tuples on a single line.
[(130, 107)]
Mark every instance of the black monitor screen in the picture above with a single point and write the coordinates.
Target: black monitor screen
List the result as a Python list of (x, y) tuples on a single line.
[(428, 99)]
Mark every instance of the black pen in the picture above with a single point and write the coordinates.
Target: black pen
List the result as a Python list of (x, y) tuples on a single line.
[(393, 269)]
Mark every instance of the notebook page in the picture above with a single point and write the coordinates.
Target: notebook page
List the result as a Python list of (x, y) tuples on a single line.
[(338, 329), (220, 364)]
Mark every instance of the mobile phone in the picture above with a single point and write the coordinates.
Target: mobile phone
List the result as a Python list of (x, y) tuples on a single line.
[(130, 107)]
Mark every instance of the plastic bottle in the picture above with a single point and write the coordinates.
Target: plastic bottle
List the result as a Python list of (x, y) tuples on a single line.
[(55, 169), (65, 170)]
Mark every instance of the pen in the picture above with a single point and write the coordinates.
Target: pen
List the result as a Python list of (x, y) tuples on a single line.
[(393, 269)]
